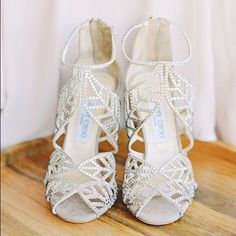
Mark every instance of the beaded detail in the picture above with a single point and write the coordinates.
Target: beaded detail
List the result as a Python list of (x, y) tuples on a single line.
[(100, 193), (177, 181), (162, 83), (71, 101), (84, 90)]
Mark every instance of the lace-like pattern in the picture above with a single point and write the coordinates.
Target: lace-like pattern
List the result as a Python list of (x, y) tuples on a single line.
[(71, 101), (162, 83), (84, 90), (100, 193), (176, 182), (176, 176)]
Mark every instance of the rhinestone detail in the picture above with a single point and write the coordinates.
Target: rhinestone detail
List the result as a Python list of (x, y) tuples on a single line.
[(178, 184), (101, 192)]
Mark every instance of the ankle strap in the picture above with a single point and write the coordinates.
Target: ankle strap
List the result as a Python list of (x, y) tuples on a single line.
[(89, 66), (151, 63)]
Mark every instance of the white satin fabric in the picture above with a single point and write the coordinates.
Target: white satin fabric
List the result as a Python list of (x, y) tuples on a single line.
[(34, 33)]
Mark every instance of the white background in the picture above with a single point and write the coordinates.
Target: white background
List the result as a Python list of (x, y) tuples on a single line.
[(34, 33)]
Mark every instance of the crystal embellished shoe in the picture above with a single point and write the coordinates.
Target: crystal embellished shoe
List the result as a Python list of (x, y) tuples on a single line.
[(158, 182), (80, 180)]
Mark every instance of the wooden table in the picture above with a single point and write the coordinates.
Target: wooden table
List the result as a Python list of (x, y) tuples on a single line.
[(25, 211)]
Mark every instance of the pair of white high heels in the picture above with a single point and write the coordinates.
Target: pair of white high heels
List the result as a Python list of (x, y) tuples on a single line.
[(158, 181)]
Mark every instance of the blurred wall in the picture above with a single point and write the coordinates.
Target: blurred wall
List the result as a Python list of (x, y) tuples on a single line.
[(34, 33)]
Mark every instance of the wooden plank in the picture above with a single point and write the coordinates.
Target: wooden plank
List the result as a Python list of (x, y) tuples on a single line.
[(23, 202), (25, 211)]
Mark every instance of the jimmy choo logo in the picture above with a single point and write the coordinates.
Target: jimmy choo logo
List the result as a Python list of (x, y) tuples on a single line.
[(160, 124), (84, 127), (160, 131)]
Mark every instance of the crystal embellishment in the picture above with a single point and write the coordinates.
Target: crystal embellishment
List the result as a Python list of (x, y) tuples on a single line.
[(177, 184), (100, 192)]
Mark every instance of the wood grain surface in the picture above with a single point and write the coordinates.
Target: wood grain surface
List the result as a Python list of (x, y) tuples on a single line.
[(26, 212)]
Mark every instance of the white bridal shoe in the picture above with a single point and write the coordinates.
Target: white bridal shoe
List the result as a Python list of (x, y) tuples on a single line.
[(158, 182), (80, 180)]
